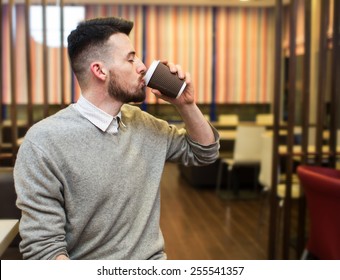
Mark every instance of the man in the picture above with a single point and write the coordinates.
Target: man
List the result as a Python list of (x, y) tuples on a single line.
[(87, 178)]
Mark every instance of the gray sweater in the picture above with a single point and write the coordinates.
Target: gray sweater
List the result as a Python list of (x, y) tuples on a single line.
[(95, 195)]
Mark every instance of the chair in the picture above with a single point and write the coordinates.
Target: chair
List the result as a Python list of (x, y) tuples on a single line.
[(264, 119), (322, 189), (228, 119), (247, 152), (8, 209), (265, 180), (265, 176), (338, 146), (266, 169)]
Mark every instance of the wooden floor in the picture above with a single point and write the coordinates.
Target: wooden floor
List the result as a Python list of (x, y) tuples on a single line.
[(197, 224)]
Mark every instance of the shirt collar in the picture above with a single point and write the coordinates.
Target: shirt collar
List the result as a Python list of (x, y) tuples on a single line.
[(98, 117)]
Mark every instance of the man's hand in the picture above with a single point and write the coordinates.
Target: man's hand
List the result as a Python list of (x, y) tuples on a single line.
[(188, 95), (196, 125)]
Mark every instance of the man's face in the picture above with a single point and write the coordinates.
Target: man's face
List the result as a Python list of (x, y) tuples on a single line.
[(126, 71)]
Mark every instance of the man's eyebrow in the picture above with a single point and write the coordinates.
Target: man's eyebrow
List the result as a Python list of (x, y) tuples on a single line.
[(132, 53)]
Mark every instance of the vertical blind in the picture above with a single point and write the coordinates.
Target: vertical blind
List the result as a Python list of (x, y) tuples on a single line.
[(182, 35), (244, 56), (36, 67), (185, 35), (228, 51)]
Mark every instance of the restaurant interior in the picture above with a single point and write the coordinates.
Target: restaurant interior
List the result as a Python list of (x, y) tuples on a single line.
[(266, 75)]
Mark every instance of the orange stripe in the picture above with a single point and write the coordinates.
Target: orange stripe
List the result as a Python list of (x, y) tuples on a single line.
[(33, 66), (208, 55), (67, 75), (5, 56), (226, 60), (39, 74), (173, 21), (185, 35), (20, 57), (231, 88), (264, 60), (253, 58), (211, 81), (151, 44), (220, 55), (195, 51), (51, 75), (206, 37), (243, 70), (138, 32)]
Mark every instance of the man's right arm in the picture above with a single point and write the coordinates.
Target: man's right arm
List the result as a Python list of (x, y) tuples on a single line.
[(40, 199)]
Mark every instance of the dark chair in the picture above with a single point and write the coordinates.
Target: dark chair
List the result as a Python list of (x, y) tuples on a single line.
[(322, 189), (247, 152), (265, 178), (8, 209)]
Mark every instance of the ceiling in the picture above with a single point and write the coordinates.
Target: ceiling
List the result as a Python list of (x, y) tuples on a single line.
[(231, 3), (251, 3)]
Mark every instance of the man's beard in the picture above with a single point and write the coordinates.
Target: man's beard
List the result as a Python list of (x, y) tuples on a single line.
[(117, 92)]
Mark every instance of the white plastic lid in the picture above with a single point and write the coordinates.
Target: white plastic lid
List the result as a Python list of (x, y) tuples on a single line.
[(150, 71)]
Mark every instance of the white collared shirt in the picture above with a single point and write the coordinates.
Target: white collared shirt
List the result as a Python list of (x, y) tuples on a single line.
[(98, 117)]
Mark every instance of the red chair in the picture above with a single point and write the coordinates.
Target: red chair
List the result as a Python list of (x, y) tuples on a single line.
[(322, 189)]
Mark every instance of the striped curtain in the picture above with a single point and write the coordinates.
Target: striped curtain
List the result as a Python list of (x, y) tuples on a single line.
[(183, 35), (54, 72), (244, 55), (228, 51), (6, 83), (133, 13), (243, 68), (19, 55), (53, 75)]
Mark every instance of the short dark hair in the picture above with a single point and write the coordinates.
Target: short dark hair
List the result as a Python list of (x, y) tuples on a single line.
[(93, 34)]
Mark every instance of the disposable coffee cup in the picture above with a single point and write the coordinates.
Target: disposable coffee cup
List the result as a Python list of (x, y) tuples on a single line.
[(159, 77)]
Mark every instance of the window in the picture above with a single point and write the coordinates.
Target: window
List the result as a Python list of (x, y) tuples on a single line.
[(72, 16)]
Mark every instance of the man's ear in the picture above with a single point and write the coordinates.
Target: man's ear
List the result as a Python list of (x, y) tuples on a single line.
[(98, 69)]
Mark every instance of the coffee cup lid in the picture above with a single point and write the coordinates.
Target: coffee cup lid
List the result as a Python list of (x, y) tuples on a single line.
[(150, 71), (181, 90)]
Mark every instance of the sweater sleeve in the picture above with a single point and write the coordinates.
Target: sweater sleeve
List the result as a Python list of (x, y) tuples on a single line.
[(179, 147), (188, 152), (40, 198)]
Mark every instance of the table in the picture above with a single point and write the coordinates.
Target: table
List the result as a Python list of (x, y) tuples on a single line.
[(230, 134), (297, 150), (8, 231), (227, 134)]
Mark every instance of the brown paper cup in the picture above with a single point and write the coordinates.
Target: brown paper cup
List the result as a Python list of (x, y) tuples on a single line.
[(159, 77)]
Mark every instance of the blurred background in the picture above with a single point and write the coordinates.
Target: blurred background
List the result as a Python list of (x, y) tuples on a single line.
[(247, 58)]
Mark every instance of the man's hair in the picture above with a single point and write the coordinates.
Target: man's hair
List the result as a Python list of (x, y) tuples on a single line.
[(89, 38)]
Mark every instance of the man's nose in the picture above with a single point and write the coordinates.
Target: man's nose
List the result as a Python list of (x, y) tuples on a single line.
[(141, 68)]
